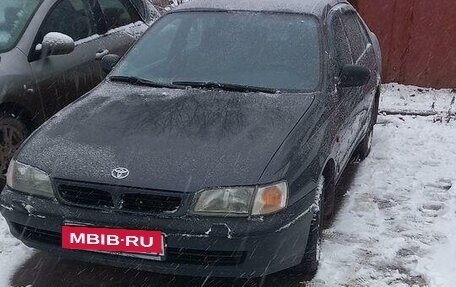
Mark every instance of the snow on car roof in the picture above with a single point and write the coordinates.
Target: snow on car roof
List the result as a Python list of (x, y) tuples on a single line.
[(315, 7)]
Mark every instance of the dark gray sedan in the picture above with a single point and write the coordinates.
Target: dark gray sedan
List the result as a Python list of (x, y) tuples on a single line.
[(214, 146), (42, 71)]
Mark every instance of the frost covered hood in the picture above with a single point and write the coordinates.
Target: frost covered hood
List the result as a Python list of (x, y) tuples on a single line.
[(177, 140)]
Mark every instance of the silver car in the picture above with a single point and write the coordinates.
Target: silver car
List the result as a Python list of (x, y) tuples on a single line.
[(50, 52)]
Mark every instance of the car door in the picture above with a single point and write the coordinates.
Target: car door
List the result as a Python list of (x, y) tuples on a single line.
[(344, 98), (61, 79), (363, 54), (123, 25)]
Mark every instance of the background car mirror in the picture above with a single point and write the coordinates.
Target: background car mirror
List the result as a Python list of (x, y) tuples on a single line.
[(108, 62), (354, 76), (55, 43)]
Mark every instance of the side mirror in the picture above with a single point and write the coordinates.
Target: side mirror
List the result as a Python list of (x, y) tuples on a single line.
[(55, 43), (354, 76), (108, 62)]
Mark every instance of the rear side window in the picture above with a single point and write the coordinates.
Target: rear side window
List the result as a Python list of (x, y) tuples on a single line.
[(341, 44), (356, 35), (70, 17), (118, 13)]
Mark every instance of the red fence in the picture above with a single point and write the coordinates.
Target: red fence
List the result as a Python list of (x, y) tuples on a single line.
[(418, 39)]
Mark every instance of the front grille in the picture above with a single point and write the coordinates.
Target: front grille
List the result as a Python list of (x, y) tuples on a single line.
[(149, 203), (37, 235), (126, 199), (173, 255), (201, 257), (85, 196)]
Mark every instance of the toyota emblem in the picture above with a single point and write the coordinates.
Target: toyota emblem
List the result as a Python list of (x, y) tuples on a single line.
[(120, 173)]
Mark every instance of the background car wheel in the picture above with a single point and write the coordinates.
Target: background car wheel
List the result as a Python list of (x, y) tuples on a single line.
[(311, 259), (12, 133)]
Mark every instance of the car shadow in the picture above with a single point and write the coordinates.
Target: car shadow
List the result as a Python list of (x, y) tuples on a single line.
[(46, 270)]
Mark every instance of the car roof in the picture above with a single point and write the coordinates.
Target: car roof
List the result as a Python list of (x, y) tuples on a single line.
[(314, 7)]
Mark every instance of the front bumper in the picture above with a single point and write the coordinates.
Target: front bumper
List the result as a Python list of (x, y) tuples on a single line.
[(195, 246)]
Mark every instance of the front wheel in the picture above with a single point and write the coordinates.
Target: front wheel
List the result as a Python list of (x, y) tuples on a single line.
[(310, 261), (12, 133)]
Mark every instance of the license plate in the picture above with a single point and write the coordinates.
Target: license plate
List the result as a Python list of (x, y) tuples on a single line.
[(127, 242)]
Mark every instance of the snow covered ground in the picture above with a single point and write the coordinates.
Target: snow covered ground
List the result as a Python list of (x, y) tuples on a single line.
[(400, 99), (396, 225), (12, 254)]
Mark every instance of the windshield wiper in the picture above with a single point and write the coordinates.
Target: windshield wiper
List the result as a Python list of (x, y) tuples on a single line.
[(224, 86), (143, 82)]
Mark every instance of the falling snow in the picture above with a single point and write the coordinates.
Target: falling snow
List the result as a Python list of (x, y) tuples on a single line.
[(394, 226)]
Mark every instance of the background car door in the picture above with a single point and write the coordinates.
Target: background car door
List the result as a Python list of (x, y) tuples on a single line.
[(123, 25), (344, 98), (63, 78)]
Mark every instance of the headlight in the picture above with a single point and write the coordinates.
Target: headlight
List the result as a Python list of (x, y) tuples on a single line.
[(242, 201), (270, 199), (28, 179)]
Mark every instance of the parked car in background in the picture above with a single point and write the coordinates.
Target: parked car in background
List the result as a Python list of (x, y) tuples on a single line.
[(50, 52), (212, 149)]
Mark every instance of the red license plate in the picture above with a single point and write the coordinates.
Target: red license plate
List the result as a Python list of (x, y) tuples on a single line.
[(113, 240)]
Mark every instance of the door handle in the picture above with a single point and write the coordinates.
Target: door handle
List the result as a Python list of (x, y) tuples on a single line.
[(100, 54)]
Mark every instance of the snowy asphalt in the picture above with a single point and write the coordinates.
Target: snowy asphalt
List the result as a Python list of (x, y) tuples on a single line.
[(394, 225)]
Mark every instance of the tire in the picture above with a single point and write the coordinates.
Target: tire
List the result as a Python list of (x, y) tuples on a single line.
[(13, 132), (365, 146), (328, 199), (311, 259)]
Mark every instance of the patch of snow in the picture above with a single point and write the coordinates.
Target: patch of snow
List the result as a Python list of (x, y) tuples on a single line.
[(313, 208), (440, 266), (6, 207), (229, 234), (135, 29), (397, 98), (12, 254), (396, 225), (56, 38), (28, 207), (194, 235)]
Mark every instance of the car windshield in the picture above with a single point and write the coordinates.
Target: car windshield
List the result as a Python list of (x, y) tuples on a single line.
[(14, 17), (277, 51)]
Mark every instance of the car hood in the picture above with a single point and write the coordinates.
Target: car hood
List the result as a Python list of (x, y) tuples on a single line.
[(175, 140)]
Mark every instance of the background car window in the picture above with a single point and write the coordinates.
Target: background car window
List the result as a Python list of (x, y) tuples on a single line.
[(14, 17), (356, 35), (71, 17), (342, 45), (118, 13)]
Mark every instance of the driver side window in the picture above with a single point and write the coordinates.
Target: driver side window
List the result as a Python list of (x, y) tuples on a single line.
[(70, 17), (342, 50)]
